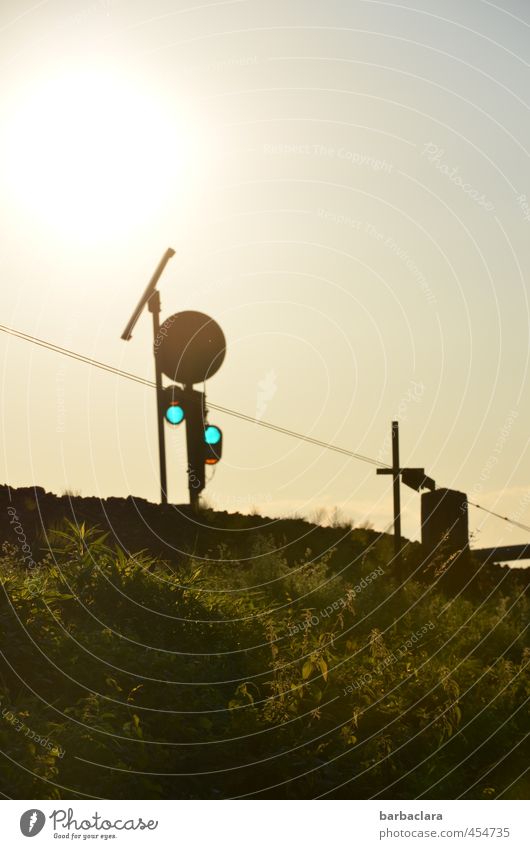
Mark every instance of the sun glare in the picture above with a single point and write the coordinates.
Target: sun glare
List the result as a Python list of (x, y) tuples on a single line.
[(93, 155)]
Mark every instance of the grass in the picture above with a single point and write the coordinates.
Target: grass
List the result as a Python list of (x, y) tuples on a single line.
[(133, 677)]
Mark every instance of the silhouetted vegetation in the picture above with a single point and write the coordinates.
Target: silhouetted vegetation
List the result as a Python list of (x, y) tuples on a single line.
[(130, 676)]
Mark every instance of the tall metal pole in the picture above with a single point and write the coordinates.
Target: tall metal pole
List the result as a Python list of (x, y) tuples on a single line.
[(151, 297), (195, 403), (153, 306), (396, 471)]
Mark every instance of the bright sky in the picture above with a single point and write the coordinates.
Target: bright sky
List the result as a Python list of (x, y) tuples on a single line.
[(346, 187)]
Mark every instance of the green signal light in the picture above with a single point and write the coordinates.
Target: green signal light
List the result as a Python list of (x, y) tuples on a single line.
[(212, 435), (174, 414)]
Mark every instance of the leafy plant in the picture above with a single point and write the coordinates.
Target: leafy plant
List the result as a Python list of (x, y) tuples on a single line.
[(270, 676)]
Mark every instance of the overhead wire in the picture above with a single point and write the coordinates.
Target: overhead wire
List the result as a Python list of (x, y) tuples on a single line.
[(227, 411), (514, 522)]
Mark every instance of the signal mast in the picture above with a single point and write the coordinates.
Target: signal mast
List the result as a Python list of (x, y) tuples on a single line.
[(189, 347)]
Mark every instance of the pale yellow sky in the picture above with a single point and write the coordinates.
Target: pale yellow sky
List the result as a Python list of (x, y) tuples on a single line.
[(345, 186)]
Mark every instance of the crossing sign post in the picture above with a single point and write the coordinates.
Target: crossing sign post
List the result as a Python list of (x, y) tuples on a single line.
[(412, 477)]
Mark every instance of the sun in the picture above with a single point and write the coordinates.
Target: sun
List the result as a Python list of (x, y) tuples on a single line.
[(92, 153)]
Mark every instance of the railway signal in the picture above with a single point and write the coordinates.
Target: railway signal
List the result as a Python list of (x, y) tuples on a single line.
[(189, 347)]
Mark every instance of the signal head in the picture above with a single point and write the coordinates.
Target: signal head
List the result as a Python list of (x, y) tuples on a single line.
[(174, 414), (212, 435), (173, 408), (213, 444)]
